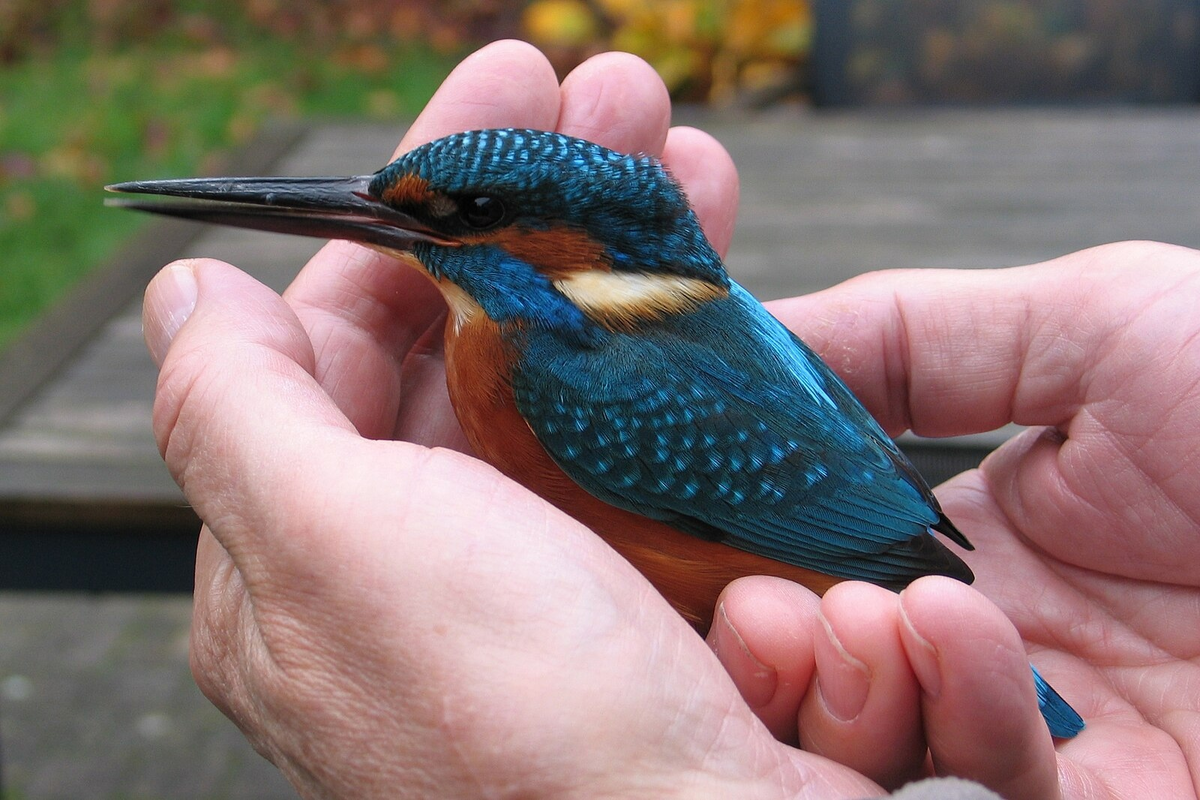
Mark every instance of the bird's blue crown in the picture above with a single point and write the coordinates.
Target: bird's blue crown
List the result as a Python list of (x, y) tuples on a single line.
[(629, 203)]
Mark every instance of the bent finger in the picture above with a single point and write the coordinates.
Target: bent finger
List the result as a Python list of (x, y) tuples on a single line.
[(980, 710), (864, 708), (616, 100), (763, 634), (619, 101), (237, 409), (709, 177), (946, 352)]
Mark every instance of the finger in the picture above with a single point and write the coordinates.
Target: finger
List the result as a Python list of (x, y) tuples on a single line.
[(708, 175), (948, 352), (980, 710), (426, 416), (507, 84), (364, 311), (762, 633), (914, 348), (237, 410), (264, 457), (619, 101), (616, 100), (864, 709)]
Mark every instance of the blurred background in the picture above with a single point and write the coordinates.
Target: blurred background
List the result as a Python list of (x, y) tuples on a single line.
[(93, 91), (925, 124)]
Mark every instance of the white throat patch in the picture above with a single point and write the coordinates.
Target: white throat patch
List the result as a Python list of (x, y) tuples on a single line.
[(622, 299)]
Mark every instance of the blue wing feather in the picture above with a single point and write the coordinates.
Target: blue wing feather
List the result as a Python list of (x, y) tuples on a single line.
[(756, 444), (1063, 721)]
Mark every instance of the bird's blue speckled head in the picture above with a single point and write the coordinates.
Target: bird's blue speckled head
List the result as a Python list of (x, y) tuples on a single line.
[(629, 204)]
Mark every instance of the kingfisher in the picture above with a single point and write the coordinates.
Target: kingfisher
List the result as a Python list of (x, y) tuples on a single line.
[(598, 352)]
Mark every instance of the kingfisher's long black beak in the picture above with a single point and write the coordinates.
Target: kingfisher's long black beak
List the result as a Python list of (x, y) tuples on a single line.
[(328, 208)]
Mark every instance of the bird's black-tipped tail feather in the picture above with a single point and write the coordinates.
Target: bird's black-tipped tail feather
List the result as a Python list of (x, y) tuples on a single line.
[(945, 527), (914, 558), (1063, 721)]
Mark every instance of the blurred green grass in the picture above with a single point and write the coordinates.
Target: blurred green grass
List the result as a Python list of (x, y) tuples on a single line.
[(80, 109)]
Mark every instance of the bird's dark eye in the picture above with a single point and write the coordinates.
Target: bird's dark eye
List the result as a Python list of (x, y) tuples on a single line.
[(480, 212)]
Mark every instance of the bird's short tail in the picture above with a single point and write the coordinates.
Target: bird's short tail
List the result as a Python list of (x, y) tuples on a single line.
[(1063, 721)]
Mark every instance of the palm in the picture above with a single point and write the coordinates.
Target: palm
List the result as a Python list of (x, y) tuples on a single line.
[(1118, 647), (1094, 536)]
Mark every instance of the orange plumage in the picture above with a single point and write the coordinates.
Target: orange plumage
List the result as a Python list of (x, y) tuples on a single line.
[(689, 572)]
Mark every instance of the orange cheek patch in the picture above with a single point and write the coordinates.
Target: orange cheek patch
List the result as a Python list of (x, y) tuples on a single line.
[(557, 252), (409, 190)]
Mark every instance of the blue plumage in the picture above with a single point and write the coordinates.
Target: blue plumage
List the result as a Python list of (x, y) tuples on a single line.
[(510, 291), (762, 448), (1063, 721), (768, 452)]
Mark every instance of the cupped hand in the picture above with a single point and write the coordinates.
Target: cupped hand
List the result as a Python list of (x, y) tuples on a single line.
[(384, 616), (1087, 527)]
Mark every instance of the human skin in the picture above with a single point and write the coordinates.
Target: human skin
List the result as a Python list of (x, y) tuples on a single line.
[(384, 615)]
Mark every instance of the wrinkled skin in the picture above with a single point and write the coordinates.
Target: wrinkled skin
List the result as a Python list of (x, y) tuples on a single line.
[(384, 615)]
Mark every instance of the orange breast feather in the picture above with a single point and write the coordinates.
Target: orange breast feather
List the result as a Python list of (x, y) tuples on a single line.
[(688, 571)]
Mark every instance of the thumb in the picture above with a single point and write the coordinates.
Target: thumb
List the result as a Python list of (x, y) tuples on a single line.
[(237, 407)]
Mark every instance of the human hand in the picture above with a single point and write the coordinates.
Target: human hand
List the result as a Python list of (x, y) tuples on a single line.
[(1086, 528), (386, 618), (371, 646)]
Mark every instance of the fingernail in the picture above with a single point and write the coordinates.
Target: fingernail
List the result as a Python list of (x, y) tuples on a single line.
[(755, 680), (842, 680), (170, 300), (923, 657)]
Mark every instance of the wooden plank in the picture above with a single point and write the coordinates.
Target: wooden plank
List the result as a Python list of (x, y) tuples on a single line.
[(42, 350), (76, 451)]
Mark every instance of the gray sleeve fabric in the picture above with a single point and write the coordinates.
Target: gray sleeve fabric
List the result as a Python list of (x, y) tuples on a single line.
[(944, 789)]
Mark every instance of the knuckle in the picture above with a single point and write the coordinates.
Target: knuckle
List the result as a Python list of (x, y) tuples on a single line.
[(182, 413), (214, 657)]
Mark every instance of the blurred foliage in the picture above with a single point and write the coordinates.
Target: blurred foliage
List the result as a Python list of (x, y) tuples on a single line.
[(705, 50), (94, 91), (31, 26)]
